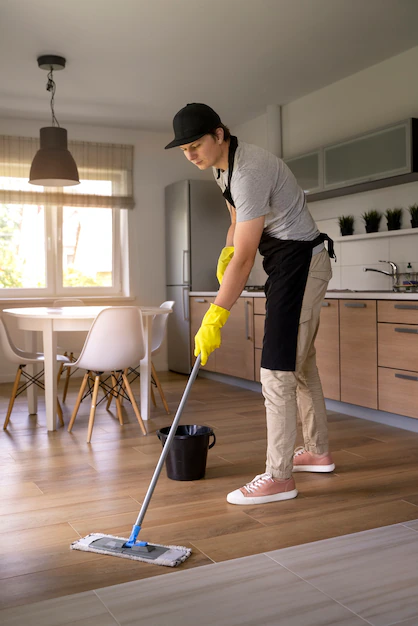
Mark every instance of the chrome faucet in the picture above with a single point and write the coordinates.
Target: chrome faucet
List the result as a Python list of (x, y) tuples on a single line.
[(393, 273)]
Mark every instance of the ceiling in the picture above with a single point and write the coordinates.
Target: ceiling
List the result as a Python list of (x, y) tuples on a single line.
[(134, 63)]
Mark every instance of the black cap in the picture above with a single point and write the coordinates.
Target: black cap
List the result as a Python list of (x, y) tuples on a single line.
[(192, 122)]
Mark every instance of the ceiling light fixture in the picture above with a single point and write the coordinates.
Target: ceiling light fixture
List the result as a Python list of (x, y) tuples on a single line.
[(53, 164)]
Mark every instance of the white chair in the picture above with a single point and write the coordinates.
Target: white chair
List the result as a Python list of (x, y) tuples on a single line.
[(22, 358), (67, 302), (159, 328), (115, 341)]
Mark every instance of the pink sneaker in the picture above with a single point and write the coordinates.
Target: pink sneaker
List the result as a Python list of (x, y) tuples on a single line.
[(262, 489), (304, 461)]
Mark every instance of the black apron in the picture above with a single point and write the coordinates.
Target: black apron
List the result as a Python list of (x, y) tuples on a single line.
[(286, 262)]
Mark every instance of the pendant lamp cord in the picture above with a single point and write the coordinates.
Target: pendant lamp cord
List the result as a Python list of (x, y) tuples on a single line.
[(51, 87)]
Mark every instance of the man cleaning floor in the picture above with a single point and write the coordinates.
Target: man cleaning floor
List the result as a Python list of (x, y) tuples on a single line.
[(268, 211)]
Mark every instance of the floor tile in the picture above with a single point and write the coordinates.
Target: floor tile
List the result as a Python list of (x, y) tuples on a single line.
[(59, 612), (249, 591), (373, 573)]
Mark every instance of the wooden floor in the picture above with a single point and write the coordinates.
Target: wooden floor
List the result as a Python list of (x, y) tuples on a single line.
[(55, 488)]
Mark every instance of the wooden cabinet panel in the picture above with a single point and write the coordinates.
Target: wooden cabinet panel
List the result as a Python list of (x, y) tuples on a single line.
[(398, 346), (257, 364), (397, 311), (259, 306), (235, 357), (398, 392), (358, 352), (327, 345), (259, 321), (198, 307)]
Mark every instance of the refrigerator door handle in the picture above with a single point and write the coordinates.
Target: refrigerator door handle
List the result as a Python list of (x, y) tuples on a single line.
[(185, 267), (185, 304)]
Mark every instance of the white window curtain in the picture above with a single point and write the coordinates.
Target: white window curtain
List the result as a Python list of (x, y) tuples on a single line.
[(95, 161)]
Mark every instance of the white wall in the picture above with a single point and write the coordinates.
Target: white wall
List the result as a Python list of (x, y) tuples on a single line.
[(154, 168), (380, 95)]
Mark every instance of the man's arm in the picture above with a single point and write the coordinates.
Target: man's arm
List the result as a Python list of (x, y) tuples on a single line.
[(231, 230), (246, 238)]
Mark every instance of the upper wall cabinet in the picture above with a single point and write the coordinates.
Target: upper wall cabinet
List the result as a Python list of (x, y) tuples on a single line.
[(308, 171), (382, 158)]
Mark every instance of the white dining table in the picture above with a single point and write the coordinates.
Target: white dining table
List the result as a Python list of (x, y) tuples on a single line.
[(51, 320)]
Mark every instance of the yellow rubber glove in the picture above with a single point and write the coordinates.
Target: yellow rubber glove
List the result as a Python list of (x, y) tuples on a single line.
[(208, 337), (223, 261)]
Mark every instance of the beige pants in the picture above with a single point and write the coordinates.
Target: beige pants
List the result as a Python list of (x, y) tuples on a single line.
[(288, 393)]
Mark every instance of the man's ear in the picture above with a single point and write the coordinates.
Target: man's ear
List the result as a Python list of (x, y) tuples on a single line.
[(219, 135)]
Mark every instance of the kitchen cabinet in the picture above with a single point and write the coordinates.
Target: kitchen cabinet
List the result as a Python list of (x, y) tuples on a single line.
[(307, 170), (235, 357), (358, 352), (398, 357), (198, 307), (327, 345)]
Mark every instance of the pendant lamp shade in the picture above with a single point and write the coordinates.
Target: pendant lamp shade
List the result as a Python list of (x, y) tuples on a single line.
[(53, 164)]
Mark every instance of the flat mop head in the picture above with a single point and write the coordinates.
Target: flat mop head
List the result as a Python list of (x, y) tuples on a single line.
[(170, 556)]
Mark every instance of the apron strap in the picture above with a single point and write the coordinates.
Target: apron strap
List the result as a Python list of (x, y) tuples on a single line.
[(324, 237)]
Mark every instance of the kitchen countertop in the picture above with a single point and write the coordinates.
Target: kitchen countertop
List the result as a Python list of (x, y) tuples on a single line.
[(341, 294)]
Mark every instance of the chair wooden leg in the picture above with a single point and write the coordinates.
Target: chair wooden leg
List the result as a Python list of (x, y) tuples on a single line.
[(13, 396), (134, 404), (118, 407), (67, 380), (152, 395), (60, 371), (93, 407), (59, 411), (160, 389), (78, 401)]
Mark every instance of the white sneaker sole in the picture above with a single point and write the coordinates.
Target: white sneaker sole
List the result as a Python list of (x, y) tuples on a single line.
[(236, 497), (314, 468)]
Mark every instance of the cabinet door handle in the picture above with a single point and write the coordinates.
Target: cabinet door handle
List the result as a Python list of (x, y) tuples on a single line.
[(325, 304), (247, 320), (185, 304), (409, 307), (412, 331), (355, 305), (406, 377), (185, 267), (200, 300)]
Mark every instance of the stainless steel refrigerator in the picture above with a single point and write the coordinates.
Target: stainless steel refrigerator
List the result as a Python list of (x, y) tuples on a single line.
[(196, 223)]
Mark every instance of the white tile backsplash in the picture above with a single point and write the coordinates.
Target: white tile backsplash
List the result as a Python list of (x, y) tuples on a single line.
[(355, 254)]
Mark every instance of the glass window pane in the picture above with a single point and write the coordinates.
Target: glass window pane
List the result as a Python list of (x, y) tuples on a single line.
[(22, 246), (87, 247)]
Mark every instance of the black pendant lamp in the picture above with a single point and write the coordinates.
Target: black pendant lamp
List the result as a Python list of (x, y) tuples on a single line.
[(53, 164)]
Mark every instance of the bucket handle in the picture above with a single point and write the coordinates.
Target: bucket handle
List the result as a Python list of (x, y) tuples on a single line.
[(214, 440)]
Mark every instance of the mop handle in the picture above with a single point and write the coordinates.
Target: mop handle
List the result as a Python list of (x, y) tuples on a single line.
[(167, 445)]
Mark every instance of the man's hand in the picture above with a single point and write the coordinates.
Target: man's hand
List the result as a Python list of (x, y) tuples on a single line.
[(208, 337)]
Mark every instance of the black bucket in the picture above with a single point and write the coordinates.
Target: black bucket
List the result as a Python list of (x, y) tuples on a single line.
[(186, 459)]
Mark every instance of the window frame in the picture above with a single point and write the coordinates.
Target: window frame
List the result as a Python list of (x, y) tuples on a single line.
[(54, 266)]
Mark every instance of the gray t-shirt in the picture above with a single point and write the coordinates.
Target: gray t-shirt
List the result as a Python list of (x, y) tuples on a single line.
[(262, 184)]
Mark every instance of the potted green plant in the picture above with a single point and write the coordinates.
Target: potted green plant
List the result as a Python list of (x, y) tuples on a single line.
[(346, 223), (413, 210), (393, 218), (372, 221)]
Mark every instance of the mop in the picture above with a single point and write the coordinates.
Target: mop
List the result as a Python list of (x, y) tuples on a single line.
[(142, 550)]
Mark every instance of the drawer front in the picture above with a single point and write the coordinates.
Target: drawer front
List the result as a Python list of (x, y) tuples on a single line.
[(259, 330), (398, 392), (398, 346), (260, 306), (257, 364), (398, 311)]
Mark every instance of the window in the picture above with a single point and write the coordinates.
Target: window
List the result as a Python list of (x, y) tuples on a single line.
[(56, 242)]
